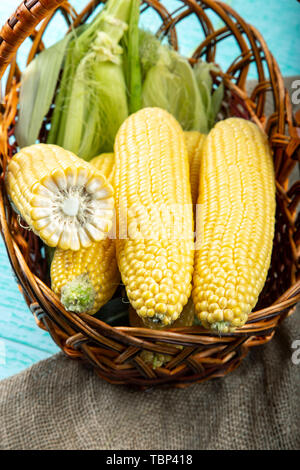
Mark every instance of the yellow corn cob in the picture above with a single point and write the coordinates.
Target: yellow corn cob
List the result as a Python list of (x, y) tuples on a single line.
[(235, 226), (64, 200), (86, 280), (105, 163), (194, 142), (152, 173)]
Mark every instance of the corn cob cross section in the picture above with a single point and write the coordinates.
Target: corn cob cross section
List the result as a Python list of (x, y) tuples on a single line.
[(155, 257), (235, 224), (86, 279), (66, 201)]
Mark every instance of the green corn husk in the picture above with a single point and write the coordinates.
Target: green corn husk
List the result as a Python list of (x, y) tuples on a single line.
[(92, 101), (212, 100), (131, 56), (38, 85), (170, 82), (216, 102), (61, 99)]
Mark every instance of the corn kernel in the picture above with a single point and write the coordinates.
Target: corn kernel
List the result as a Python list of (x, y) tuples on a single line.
[(157, 275)]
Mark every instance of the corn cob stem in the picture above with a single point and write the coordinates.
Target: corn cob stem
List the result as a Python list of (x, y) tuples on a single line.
[(79, 294)]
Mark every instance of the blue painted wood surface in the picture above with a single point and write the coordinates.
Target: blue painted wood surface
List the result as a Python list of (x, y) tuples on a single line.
[(22, 343)]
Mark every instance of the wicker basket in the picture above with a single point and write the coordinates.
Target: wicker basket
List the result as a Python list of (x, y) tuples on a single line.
[(114, 352)]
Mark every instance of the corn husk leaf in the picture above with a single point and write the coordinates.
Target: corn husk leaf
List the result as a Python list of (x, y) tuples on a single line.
[(170, 83), (92, 102), (38, 85), (61, 99), (216, 103), (202, 73), (149, 46), (212, 100)]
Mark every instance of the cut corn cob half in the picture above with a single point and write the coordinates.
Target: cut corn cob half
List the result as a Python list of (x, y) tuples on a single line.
[(235, 224), (66, 201), (194, 142), (151, 175), (86, 280)]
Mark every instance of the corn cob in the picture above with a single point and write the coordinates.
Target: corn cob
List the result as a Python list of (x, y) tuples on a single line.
[(86, 280), (194, 141), (235, 224), (151, 174), (64, 200), (105, 163)]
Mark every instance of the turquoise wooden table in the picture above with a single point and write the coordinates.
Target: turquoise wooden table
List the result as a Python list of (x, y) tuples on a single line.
[(22, 343)]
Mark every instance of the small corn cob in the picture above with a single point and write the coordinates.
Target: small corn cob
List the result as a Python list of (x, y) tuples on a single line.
[(66, 201), (158, 359), (235, 224), (152, 173), (105, 163), (155, 359), (194, 142), (86, 280)]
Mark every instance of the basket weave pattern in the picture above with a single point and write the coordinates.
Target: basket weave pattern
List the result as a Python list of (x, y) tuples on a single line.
[(114, 351)]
